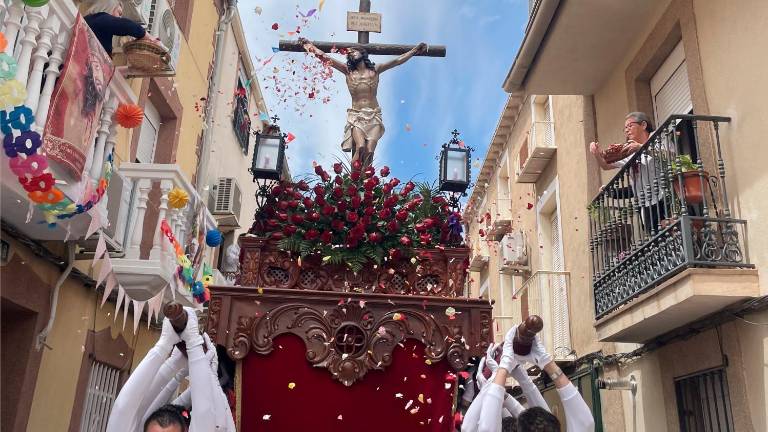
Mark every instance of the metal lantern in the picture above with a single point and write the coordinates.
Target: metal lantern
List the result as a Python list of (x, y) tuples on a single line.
[(269, 153), (454, 165)]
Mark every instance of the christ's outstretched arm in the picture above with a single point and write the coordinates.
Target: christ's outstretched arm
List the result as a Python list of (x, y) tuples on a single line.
[(341, 67), (418, 49)]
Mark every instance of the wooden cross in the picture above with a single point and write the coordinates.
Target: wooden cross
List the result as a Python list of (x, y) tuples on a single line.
[(363, 41)]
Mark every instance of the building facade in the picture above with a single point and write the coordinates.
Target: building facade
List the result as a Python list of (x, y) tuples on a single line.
[(66, 352), (670, 299)]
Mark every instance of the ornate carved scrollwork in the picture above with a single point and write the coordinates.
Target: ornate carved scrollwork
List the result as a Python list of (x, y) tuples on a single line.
[(241, 342), (212, 327)]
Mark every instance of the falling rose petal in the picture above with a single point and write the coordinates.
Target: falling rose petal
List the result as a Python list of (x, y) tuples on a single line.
[(399, 395), (362, 303), (275, 26), (258, 10), (408, 127), (429, 400), (529, 206), (423, 376), (408, 405), (339, 417), (448, 386), (266, 417), (415, 410)]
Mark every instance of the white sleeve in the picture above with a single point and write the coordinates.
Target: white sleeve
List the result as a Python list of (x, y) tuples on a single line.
[(531, 392), (472, 416), (578, 417), (490, 414), (125, 414), (160, 384), (202, 391), (513, 406), (184, 399)]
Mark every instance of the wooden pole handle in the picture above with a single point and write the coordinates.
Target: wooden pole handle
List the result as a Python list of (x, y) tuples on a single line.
[(526, 334), (178, 318)]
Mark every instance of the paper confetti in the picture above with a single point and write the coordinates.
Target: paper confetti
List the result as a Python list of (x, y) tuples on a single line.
[(258, 10), (339, 417), (408, 405), (450, 311), (415, 410), (421, 398), (399, 395), (266, 417), (291, 386), (320, 6)]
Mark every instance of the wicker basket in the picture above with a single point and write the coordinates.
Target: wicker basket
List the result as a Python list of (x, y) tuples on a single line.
[(147, 56)]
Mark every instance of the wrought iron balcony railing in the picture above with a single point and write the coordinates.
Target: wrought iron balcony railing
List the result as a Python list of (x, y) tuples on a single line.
[(241, 122), (664, 211)]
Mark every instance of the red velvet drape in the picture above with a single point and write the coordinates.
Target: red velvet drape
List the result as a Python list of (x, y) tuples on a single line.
[(317, 400)]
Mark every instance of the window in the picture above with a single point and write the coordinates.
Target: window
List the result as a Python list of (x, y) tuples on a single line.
[(703, 403), (241, 122), (145, 152), (103, 385), (670, 88)]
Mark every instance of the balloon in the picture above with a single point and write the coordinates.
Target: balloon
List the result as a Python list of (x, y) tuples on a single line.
[(213, 238), (35, 3), (129, 115)]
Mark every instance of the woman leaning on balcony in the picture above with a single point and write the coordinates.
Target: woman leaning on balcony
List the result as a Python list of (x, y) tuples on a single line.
[(637, 131), (105, 17)]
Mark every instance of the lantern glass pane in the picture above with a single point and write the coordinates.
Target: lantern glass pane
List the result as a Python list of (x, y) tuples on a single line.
[(268, 150), (456, 166)]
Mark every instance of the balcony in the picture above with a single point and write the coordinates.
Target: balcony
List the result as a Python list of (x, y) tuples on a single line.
[(544, 294), (241, 122), (38, 40), (661, 232), (149, 263), (536, 152)]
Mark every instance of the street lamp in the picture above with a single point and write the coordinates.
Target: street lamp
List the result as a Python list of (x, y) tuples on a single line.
[(455, 172), (269, 153)]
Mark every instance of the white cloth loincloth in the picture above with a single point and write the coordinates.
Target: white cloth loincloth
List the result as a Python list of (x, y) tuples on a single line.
[(368, 120)]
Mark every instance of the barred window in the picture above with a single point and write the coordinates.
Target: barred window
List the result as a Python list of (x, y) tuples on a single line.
[(103, 385), (703, 402)]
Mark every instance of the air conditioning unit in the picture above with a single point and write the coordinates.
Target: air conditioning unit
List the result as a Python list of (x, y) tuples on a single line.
[(161, 23), (514, 251), (224, 198), (137, 10)]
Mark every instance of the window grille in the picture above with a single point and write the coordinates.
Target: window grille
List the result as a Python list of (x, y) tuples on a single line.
[(703, 402), (103, 384)]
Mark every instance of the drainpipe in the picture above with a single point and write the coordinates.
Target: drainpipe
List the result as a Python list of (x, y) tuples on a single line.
[(43, 336), (201, 177)]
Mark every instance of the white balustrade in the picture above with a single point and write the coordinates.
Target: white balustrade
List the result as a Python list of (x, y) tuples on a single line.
[(165, 187), (105, 122), (12, 23), (136, 223), (40, 57), (34, 16)]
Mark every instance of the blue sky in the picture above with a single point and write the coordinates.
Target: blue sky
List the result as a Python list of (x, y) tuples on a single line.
[(422, 100)]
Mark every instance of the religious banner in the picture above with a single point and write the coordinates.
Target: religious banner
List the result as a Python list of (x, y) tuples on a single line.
[(77, 100)]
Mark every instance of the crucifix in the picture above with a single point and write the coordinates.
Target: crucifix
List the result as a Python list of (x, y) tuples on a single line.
[(365, 126)]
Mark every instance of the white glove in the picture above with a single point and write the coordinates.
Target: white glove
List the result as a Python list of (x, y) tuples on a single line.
[(168, 338), (212, 356), (508, 360), (489, 360), (191, 334), (538, 355)]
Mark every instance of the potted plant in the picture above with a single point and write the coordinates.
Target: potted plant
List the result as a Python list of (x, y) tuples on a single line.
[(692, 182)]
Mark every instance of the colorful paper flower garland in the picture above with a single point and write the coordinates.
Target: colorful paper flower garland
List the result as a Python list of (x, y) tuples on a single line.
[(186, 272), (27, 159)]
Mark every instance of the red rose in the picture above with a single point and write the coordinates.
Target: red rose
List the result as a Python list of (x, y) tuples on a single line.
[(338, 180), (438, 200), (282, 205), (401, 215), (428, 223), (297, 195), (352, 190), (341, 206), (325, 176), (391, 201), (302, 185), (385, 213), (420, 226), (319, 170), (406, 241), (288, 190), (337, 224), (384, 171), (277, 190), (289, 230), (395, 254), (320, 200), (369, 171), (359, 229), (368, 195), (272, 223), (338, 192), (277, 235), (351, 217), (393, 226), (293, 204), (365, 220), (356, 165), (328, 210), (314, 216), (337, 168), (369, 185), (282, 216), (319, 190), (369, 211), (425, 238), (394, 182), (311, 234), (375, 237), (352, 242), (308, 203), (387, 189), (355, 202), (326, 236), (355, 175), (297, 218), (268, 210)]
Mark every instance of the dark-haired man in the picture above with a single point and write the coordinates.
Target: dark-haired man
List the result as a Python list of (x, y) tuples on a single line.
[(365, 126)]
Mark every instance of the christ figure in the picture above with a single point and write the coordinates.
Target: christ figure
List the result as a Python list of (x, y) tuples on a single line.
[(364, 126)]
